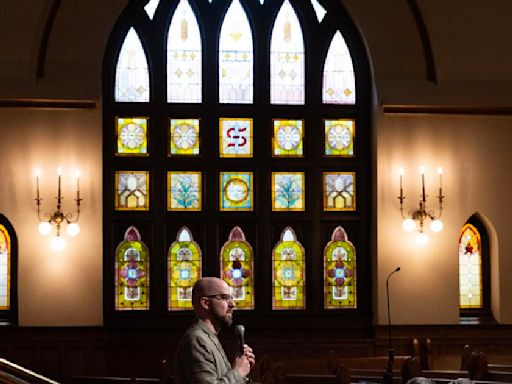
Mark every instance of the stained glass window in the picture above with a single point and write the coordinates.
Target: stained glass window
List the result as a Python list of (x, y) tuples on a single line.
[(288, 191), (185, 191), (287, 140), (339, 85), (132, 137), (339, 137), (470, 268), (184, 81), (132, 273), (132, 193), (339, 191), (287, 58), (150, 8), (184, 136), (319, 10), (235, 137), (235, 57), (5, 268), (132, 75), (236, 191), (184, 263), (288, 272), (237, 268), (340, 271)]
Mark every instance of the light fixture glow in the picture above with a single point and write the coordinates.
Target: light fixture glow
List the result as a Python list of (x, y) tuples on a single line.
[(409, 225), (436, 226), (73, 229), (58, 243), (421, 239), (45, 228)]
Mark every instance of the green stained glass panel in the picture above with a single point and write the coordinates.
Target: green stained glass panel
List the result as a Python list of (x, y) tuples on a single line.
[(132, 273), (288, 191), (339, 137), (132, 193), (339, 272), (184, 137), (184, 263), (288, 138), (184, 191), (339, 191), (5, 268), (470, 268), (236, 191), (235, 137), (237, 268), (132, 139), (288, 273)]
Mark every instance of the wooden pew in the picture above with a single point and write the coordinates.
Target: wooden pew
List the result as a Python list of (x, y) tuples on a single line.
[(11, 373)]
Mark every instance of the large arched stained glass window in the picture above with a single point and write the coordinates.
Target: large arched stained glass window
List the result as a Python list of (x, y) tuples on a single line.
[(470, 268)]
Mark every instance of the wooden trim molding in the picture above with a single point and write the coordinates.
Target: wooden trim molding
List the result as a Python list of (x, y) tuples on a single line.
[(446, 110), (47, 103)]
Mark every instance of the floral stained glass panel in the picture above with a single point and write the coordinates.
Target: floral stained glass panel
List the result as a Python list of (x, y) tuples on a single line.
[(132, 193), (132, 273), (184, 191), (288, 138), (5, 268), (236, 57), (132, 75), (235, 137), (184, 263), (288, 191), (236, 191), (132, 136), (287, 58), (470, 268), (339, 83), (237, 268), (339, 191), (288, 273), (339, 137), (184, 137), (184, 57), (339, 272)]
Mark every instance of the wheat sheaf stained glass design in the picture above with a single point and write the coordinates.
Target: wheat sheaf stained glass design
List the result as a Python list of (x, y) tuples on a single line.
[(235, 137), (288, 191), (132, 137), (132, 193), (339, 272), (236, 191), (237, 268), (339, 137), (288, 273), (339, 83), (184, 269), (185, 191), (288, 138), (5, 268), (339, 191), (184, 137), (470, 268), (132, 273)]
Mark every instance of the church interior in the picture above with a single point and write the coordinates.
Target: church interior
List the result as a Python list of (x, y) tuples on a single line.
[(341, 164)]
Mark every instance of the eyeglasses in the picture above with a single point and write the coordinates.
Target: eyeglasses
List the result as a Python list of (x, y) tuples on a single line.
[(221, 296)]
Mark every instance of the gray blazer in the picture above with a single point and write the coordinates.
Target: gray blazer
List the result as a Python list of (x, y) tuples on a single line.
[(200, 359)]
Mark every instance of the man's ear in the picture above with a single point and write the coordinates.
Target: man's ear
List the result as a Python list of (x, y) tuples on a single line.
[(204, 302)]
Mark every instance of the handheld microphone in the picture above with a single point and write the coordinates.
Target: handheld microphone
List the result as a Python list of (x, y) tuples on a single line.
[(239, 332)]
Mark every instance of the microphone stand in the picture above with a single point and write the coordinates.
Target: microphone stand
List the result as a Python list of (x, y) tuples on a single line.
[(388, 375)]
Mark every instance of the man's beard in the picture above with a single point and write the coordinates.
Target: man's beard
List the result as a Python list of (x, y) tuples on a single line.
[(223, 320)]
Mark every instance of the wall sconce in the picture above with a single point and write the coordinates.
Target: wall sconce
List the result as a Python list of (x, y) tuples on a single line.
[(58, 217), (417, 218)]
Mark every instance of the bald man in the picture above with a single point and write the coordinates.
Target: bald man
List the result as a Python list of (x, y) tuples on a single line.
[(200, 358)]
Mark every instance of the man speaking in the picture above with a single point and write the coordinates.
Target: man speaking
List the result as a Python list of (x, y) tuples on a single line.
[(200, 358)]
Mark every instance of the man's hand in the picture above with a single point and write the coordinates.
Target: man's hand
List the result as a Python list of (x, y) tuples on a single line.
[(243, 363)]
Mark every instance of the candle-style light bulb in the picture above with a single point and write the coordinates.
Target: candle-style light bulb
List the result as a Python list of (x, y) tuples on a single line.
[(38, 173), (77, 173), (440, 173), (422, 171), (59, 173), (401, 172)]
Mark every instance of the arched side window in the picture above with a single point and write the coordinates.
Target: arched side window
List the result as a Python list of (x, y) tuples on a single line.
[(8, 272), (474, 268)]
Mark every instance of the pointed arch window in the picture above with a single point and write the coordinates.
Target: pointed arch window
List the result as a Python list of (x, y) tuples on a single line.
[(236, 57), (8, 271), (132, 74), (339, 85)]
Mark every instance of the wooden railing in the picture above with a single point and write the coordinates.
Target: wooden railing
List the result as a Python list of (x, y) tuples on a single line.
[(11, 373)]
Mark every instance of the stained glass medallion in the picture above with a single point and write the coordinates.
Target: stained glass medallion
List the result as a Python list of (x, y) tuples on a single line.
[(5, 268), (339, 137), (132, 137), (132, 75), (132, 193), (185, 191), (237, 268), (184, 263), (339, 83), (339, 191), (236, 191), (288, 138), (470, 268), (235, 57), (132, 273), (184, 57), (288, 272), (288, 191), (184, 137), (235, 137), (339, 272)]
